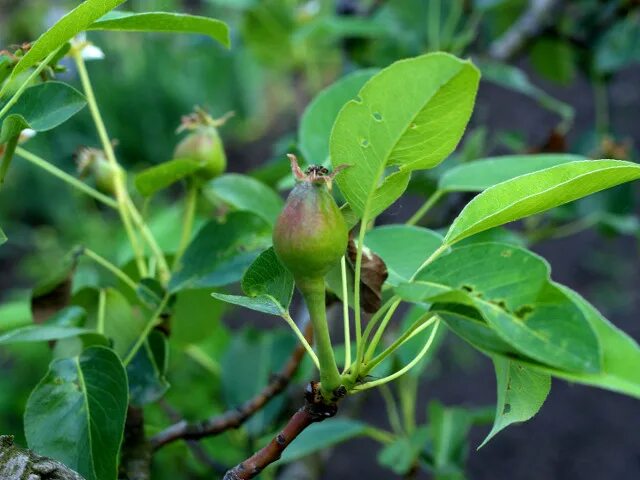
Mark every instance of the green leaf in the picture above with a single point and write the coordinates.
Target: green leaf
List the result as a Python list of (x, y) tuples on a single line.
[(41, 333), (320, 115), (69, 417), (164, 22), (510, 287), (246, 194), (62, 31), (16, 313), (3, 237), (620, 370), (147, 371), (537, 192), (417, 244), (122, 323), (196, 316), (481, 174), (619, 46), (554, 59), (449, 427), (220, 252), (321, 436), (247, 366), (401, 455), (156, 178), (267, 284), (467, 323), (41, 108), (409, 116), (521, 393)]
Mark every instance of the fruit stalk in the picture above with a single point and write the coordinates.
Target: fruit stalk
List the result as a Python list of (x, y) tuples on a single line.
[(313, 292)]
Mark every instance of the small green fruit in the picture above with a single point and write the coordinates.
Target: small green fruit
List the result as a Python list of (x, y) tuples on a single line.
[(93, 162), (204, 146), (310, 235)]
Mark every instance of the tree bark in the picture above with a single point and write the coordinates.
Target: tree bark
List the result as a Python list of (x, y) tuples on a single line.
[(20, 464), (314, 410)]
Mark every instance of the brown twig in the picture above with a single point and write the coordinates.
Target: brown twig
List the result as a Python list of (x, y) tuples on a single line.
[(236, 417), (314, 410), (135, 463), (532, 21)]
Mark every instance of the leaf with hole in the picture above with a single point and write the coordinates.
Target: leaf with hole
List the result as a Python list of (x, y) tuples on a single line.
[(320, 115), (267, 284), (521, 393), (408, 116), (510, 288), (537, 192), (164, 22), (620, 354), (69, 418)]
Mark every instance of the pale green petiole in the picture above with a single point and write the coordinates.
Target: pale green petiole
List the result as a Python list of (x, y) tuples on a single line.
[(345, 315), (405, 369), (301, 337)]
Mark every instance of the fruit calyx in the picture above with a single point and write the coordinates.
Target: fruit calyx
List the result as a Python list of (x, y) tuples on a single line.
[(316, 174)]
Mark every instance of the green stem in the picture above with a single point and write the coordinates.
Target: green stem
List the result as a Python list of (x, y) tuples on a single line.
[(373, 321), (163, 266), (402, 371), (203, 359), (421, 324), (120, 188), (103, 262), (345, 314), (426, 206), (408, 389), (301, 337), (391, 405), (371, 349), (16, 96), (65, 177), (191, 201), (102, 307), (153, 321), (356, 297), (379, 435), (7, 156), (313, 291)]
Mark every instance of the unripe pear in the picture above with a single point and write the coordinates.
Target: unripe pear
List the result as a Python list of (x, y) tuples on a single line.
[(204, 146), (310, 235)]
